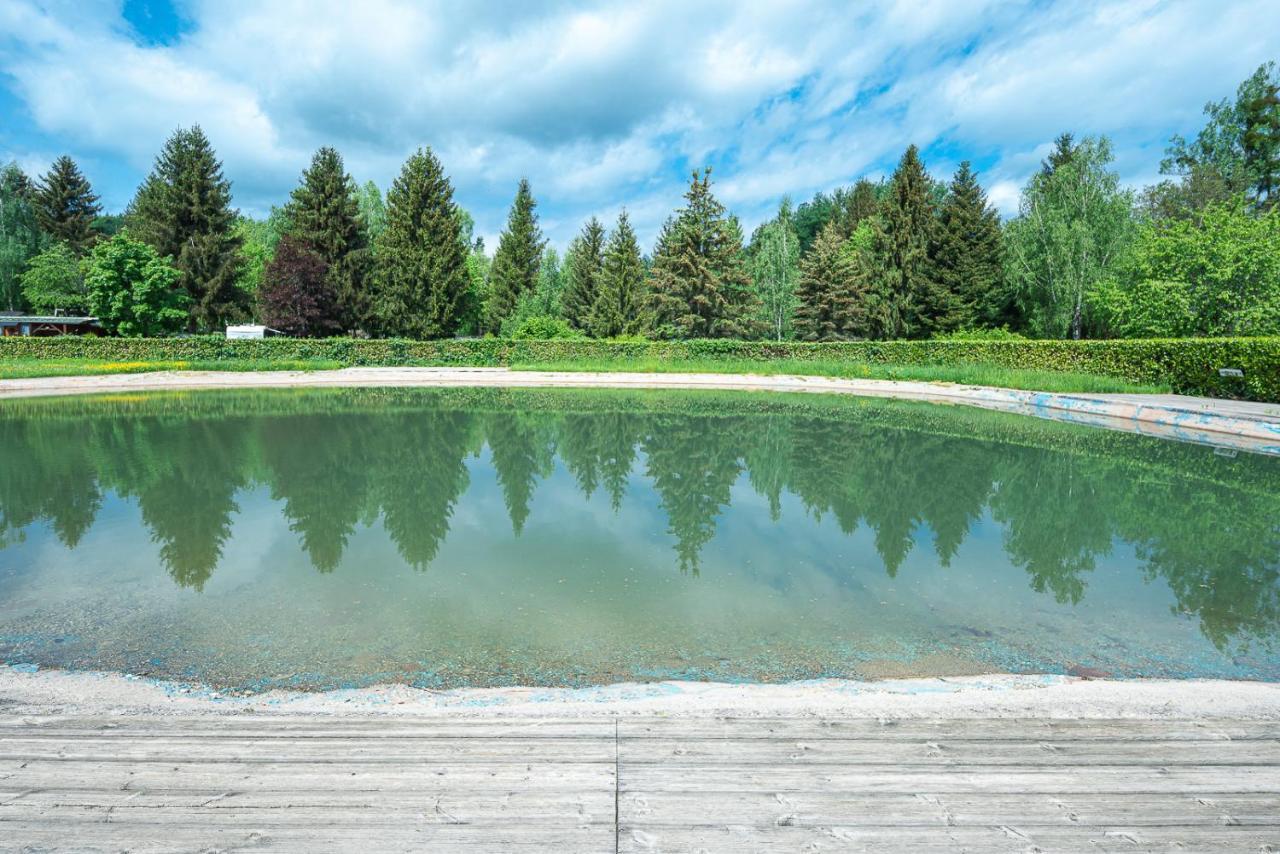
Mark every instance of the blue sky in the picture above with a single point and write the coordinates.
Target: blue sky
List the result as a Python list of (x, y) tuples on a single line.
[(605, 104)]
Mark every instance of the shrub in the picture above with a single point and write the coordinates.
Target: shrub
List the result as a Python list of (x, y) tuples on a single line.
[(1188, 365)]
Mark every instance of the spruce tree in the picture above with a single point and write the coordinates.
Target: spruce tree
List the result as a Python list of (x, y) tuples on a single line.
[(700, 285), (831, 290), (66, 206), (515, 264), (966, 257), (906, 295), (620, 302), (420, 276), (183, 211), (584, 262), (324, 213)]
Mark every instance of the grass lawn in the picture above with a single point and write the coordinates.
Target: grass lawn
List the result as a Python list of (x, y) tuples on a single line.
[(21, 369), (988, 375)]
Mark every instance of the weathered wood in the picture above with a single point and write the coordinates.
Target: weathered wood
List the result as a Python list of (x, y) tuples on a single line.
[(400, 784)]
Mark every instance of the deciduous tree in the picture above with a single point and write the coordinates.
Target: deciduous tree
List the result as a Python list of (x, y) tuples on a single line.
[(53, 282), (132, 291)]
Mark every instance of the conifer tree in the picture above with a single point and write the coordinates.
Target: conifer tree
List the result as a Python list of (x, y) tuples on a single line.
[(324, 213), (966, 257), (183, 211), (584, 262), (831, 290), (700, 287), (515, 264), (420, 276), (66, 206), (906, 295), (620, 303)]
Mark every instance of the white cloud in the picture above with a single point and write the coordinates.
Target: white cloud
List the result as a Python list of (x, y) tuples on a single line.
[(603, 104)]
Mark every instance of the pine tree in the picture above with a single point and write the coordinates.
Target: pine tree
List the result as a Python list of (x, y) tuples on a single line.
[(515, 264), (906, 295), (831, 290), (700, 286), (966, 257), (620, 302), (66, 206), (324, 213), (183, 211), (584, 262), (420, 276)]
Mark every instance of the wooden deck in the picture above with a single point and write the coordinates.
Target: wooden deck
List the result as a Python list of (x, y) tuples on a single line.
[(637, 785)]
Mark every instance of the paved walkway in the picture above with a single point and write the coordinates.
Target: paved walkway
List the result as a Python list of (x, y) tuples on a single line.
[(157, 783), (1232, 424)]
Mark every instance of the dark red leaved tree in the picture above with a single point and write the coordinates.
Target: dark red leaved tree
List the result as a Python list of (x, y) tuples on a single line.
[(296, 296)]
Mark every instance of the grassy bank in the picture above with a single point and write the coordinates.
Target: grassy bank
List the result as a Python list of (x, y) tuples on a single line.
[(987, 375), (21, 369), (1186, 366)]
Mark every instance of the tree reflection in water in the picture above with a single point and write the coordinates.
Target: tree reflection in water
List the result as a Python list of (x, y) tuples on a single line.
[(1064, 496)]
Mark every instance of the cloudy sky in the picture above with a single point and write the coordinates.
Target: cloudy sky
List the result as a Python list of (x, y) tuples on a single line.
[(606, 104)]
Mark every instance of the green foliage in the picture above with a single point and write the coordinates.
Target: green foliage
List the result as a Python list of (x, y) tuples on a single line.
[(1239, 146), (775, 270), (846, 206), (544, 327), (1216, 276), (324, 213), (832, 290), (66, 206), (373, 212), (420, 281), (258, 240), (543, 301), (473, 310), (905, 299), (966, 259), (19, 234), (517, 259), (700, 286), (1188, 366), (132, 291), (183, 211), (53, 282), (1072, 233), (583, 264), (619, 305)]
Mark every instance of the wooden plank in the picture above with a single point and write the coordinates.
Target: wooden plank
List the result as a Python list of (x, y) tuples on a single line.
[(993, 729), (291, 750), (1193, 780), (274, 726), (1009, 837), (763, 809), (940, 751)]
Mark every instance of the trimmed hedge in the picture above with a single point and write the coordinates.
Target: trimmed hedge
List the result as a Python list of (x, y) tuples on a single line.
[(1189, 366)]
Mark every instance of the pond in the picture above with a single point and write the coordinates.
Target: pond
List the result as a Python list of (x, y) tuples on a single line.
[(484, 537)]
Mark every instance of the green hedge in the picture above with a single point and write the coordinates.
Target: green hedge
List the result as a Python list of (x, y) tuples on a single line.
[(1190, 365)]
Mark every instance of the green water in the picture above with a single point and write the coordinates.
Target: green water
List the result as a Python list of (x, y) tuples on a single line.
[(464, 537)]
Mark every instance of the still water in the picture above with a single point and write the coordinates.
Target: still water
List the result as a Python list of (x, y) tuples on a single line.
[(480, 537)]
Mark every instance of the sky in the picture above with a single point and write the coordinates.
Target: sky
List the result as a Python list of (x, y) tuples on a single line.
[(603, 105)]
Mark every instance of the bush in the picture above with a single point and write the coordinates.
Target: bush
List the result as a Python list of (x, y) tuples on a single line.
[(542, 327), (1189, 365)]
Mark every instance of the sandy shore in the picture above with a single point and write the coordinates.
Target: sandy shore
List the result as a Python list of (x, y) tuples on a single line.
[(1225, 423), (27, 691)]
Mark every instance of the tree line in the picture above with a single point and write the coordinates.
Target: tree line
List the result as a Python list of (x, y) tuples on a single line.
[(908, 256), (408, 460)]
